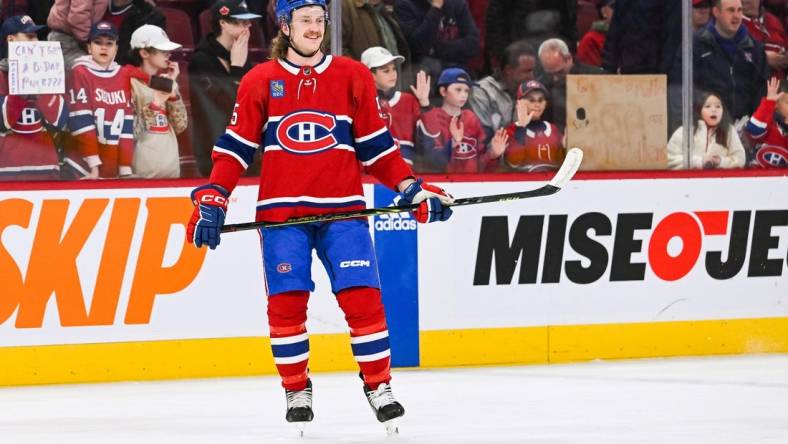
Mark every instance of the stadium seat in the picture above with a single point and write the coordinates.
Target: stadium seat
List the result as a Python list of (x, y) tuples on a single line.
[(179, 26)]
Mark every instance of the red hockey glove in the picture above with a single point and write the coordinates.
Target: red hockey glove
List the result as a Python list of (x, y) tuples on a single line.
[(210, 207), (433, 201)]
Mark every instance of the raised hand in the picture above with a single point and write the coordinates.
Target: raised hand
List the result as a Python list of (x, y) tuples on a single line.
[(457, 129), (498, 143), (524, 117), (422, 89), (773, 89)]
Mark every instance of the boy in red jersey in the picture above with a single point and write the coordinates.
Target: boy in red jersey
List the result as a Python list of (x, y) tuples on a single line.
[(450, 138), (101, 117), (27, 151), (315, 117), (400, 110)]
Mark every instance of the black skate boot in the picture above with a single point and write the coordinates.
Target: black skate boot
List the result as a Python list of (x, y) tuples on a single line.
[(299, 406), (385, 407)]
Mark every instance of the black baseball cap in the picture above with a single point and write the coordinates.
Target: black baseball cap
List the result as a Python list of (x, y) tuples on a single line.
[(224, 9)]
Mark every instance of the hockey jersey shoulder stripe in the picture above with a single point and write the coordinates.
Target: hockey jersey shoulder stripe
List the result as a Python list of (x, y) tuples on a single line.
[(243, 152), (242, 140), (379, 156), (369, 150)]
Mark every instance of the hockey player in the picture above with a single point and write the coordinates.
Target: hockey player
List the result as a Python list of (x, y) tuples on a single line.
[(400, 110), (101, 117), (314, 116), (27, 151)]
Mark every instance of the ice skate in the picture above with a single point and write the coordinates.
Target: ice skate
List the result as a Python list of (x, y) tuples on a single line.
[(385, 407), (299, 407)]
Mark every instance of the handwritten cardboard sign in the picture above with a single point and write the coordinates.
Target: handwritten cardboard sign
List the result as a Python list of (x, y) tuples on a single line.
[(619, 121), (36, 68)]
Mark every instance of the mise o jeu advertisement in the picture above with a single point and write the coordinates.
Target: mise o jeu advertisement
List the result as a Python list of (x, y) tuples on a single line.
[(609, 251)]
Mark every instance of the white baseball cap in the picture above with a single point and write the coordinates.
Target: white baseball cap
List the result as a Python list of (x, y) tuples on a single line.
[(377, 56), (150, 36)]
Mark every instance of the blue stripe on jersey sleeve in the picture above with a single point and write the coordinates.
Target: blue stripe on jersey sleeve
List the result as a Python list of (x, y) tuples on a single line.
[(235, 146), (78, 122), (755, 130), (371, 148), (370, 348)]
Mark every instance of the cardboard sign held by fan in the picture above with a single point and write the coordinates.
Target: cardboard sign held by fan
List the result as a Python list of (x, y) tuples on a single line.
[(35, 68), (620, 121)]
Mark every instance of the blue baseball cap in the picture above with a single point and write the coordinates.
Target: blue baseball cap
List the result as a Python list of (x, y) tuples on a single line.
[(20, 23), (455, 75), (102, 28)]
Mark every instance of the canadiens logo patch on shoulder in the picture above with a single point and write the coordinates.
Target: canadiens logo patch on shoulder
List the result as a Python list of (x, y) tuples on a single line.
[(277, 89)]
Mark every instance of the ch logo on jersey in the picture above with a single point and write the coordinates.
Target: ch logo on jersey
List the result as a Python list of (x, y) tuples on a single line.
[(772, 156), (306, 132), (466, 149)]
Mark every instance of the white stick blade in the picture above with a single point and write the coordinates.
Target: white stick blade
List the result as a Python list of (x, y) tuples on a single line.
[(568, 169)]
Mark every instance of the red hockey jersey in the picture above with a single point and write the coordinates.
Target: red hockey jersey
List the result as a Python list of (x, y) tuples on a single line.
[(537, 147), (27, 151), (401, 112), (314, 124), (768, 30), (101, 117), (442, 154), (771, 139)]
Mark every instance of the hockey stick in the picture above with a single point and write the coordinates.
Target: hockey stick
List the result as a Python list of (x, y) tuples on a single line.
[(568, 169)]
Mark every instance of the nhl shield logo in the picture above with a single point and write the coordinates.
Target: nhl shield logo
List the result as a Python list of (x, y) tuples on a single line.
[(307, 132), (277, 89)]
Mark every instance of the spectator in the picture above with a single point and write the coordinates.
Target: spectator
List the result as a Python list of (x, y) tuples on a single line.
[(101, 118), (127, 16), (533, 20), (493, 99), (715, 143), (701, 11), (399, 110), (218, 64), (764, 27), (441, 33), (531, 143), (159, 115), (450, 138), (643, 38), (729, 61), (768, 127), (557, 63), (589, 49), (70, 21), (368, 23), (27, 151)]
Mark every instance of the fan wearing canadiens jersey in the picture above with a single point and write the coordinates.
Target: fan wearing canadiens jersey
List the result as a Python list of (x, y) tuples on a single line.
[(27, 151), (768, 127), (314, 116), (534, 144), (101, 117), (400, 110)]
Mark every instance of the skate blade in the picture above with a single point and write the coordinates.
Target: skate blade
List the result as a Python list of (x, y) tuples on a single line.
[(300, 428), (392, 427)]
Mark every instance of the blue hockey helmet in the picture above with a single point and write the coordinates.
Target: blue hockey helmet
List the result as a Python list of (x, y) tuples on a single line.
[(285, 8)]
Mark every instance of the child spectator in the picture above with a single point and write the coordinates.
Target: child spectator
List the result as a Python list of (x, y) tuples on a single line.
[(589, 49), (101, 118), (27, 151), (532, 144), (451, 139), (400, 110), (701, 12), (159, 115), (715, 143), (768, 127)]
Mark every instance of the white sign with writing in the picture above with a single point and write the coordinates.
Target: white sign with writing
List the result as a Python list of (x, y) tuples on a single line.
[(35, 68)]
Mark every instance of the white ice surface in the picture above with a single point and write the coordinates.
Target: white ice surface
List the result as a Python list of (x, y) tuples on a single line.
[(700, 400)]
